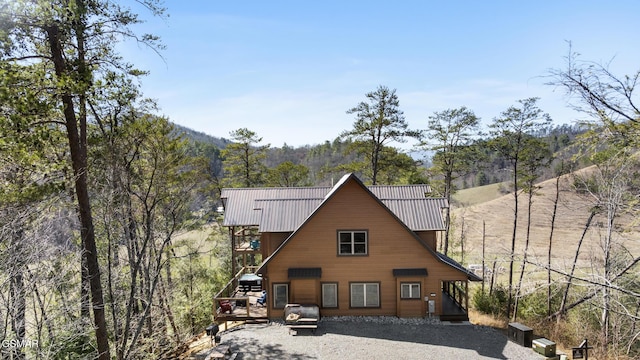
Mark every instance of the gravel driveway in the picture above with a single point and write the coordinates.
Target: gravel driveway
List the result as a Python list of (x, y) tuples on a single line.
[(374, 338)]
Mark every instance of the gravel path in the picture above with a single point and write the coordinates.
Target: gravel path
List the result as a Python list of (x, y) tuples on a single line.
[(374, 338)]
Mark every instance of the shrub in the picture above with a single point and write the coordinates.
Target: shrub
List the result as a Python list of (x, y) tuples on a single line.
[(494, 303)]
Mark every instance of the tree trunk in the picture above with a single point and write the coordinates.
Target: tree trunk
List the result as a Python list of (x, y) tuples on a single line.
[(78, 150), (483, 250), (513, 236), (447, 194), (553, 223), (524, 256), (17, 294), (575, 259)]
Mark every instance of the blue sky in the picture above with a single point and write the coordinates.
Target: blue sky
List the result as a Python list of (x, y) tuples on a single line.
[(289, 70)]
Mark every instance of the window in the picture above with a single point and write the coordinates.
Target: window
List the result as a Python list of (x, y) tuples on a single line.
[(410, 290), (365, 295), (281, 295), (330, 295), (352, 243)]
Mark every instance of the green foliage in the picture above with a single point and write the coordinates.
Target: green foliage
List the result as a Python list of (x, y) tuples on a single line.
[(481, 179), (494, 303), (244, 159), (31, 147), (378, 122), (533, 306), (288, 174), (200, 272), (73, 346), (450, 135)]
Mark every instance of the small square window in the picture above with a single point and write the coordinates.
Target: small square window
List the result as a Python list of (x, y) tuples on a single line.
[(410, 290), (352, 243)]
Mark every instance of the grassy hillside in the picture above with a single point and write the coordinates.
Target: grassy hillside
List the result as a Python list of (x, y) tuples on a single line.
[(497, 213), (477, 195)]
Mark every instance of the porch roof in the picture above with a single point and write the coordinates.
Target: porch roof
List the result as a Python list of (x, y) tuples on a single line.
[(304, 273), (409, 272)]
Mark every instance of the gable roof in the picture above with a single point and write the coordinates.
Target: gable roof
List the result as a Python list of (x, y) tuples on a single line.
[(351, 177), (284, 209)]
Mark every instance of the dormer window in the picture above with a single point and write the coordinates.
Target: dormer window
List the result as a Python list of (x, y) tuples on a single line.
[(352, 242)]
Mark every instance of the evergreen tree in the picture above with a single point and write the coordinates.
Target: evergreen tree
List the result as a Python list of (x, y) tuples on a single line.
[(379, 121), (244, 159)]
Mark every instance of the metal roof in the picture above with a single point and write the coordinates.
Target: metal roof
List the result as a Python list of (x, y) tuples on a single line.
[(383, 192), (284, 215), (419, 214), (284, 209), (239, 203)]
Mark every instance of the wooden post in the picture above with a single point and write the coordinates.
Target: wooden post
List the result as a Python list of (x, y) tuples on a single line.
[(466, 296), (483, 239), (232, 235)]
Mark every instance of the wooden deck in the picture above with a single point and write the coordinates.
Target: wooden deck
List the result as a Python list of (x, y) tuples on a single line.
[(451, 311), (244, 307)]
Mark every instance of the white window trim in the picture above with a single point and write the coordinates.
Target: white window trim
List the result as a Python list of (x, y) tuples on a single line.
[(411, 285), (275, 295), (353, 243), (365, 285), (335, 285)]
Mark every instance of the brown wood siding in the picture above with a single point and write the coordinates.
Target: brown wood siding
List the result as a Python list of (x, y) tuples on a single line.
[(430, 237), (304, 291), (390, 246), (269, 242), (411, 307)]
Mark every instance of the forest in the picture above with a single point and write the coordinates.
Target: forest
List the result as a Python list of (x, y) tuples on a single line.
[(98, 194)]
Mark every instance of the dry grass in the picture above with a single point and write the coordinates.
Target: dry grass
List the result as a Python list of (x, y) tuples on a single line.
[(478, 194), (478, 318), (572, 213)]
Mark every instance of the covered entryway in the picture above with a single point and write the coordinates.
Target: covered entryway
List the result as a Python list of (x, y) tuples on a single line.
[(304, 285), (455, 300), (410, 290)]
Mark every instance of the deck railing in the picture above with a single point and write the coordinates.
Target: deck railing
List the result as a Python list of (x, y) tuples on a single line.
[(229, 291)]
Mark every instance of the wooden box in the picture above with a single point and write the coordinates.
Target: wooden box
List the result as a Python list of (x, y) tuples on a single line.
[(520, 334), (544, 346)]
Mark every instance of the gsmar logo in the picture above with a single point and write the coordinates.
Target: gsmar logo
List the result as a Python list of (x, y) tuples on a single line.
[(15, 343)]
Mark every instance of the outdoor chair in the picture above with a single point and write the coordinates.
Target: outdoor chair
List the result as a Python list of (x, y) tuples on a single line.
[(262, 300)]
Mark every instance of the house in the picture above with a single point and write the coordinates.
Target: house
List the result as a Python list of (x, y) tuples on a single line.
[(351, 249)]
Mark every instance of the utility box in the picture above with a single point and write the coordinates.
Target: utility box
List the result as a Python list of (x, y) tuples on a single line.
[(432, 307), (520, 334), (544, 346)]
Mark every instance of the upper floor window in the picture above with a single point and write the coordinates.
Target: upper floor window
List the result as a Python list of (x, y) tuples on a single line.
[(352, 242)]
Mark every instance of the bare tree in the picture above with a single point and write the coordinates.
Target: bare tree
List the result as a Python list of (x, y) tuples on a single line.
[(610, 102)]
